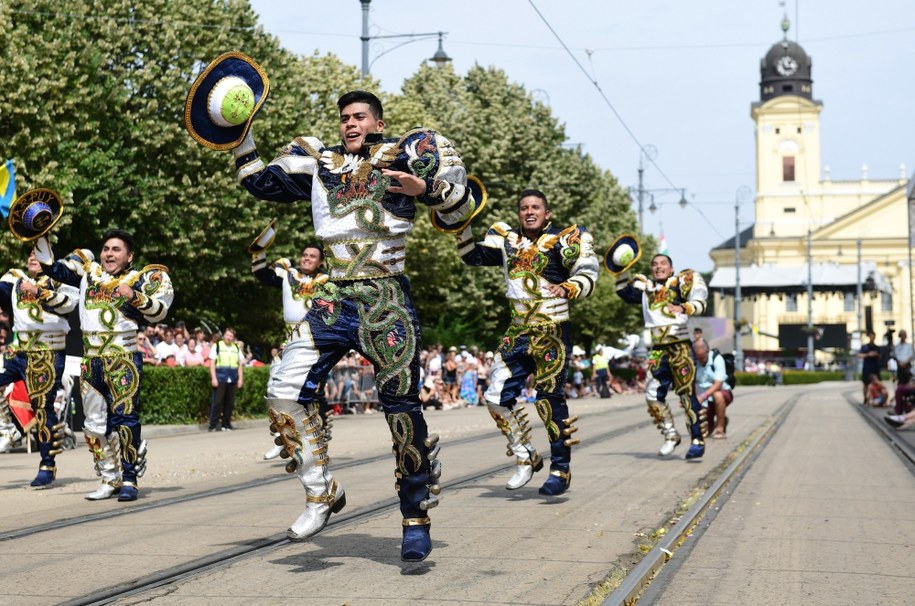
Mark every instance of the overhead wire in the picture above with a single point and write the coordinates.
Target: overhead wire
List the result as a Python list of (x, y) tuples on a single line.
[(619, 117)]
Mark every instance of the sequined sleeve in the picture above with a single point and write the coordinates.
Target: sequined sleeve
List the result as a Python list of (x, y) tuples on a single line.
[(694, 290), (287, 178), (70, 269), (631, 289), (59, 299), (153, 293), (577, 249), (434, 159), (487, 252)]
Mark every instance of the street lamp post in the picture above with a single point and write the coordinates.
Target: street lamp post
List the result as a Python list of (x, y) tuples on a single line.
[(810, 337), (439, 58), (860, 295), (650, 152), (742, 194)]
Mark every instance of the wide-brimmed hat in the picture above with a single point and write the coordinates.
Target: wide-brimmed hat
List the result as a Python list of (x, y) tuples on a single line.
[(34, 213), (223, 100), (622, 254), (265, 240), (480, 197)]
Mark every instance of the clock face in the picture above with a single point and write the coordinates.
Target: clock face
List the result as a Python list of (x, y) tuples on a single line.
[(786, 66)]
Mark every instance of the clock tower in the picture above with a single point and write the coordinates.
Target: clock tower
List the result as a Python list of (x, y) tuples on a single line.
[(787, 141)]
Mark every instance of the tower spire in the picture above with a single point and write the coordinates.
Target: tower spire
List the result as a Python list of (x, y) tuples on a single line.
[(786, 24)]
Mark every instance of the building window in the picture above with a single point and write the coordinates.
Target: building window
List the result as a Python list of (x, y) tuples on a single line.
[(789, 210), (886, 301), (850, 301), (791, 302), (778, 130), (787, 168)]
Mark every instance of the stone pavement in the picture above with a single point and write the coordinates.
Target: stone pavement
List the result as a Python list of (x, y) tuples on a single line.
[(825, 516), (826, 498)]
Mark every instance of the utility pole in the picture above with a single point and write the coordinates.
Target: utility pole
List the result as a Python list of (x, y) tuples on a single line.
[(810, 339)]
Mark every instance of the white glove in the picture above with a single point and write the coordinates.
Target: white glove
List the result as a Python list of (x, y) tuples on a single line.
[(42, 251), (246, 146)]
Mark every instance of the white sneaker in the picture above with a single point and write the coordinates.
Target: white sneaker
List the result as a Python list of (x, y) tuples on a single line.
[(105, 491), (273, 453), (668, 446)]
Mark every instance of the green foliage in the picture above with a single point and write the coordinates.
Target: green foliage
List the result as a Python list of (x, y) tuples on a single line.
[(94, 94), (790, 377), (752, 378), (803, 377), (181, 396)]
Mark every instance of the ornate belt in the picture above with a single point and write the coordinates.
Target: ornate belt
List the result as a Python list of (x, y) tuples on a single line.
[(29, 340), (109, 343), (358, 259), (529, 312), (672, 333)]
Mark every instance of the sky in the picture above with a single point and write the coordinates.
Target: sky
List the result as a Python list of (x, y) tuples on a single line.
[(664, 83)]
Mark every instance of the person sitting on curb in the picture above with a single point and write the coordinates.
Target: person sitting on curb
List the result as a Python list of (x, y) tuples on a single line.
[(900, 421), (712, 387), (877, 395)]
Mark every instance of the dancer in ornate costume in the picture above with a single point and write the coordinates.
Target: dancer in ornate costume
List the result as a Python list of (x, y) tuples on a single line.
[(667, 300), (298, 286), (37, 305), (544, 268), (114, 298), (363, 196)]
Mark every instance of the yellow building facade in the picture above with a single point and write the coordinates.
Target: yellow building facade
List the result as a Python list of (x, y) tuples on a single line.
[(802, 215)]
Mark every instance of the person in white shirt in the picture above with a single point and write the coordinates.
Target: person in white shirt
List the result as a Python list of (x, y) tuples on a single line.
[(181, 349), (166, 347), (903, 352)]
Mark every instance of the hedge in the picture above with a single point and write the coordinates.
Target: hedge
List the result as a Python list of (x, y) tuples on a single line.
[(181, 396), (791, 377)]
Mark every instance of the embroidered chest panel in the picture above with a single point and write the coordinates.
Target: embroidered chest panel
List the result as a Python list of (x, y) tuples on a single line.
[(675, 290)]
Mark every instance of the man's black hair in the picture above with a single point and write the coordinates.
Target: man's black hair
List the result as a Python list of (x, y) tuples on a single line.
[(121, 235), (669, 260), (362, 96), (314, 245), (537, 194)]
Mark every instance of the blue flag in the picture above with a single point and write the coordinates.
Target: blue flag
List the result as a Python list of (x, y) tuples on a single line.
[(7, 187)]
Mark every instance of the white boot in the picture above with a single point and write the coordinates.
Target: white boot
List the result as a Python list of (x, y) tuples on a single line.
[(323, 494), (8, 438), (107, 465), (664, 421), (275, 451), (517, 430), (670, 443), (9, 433)]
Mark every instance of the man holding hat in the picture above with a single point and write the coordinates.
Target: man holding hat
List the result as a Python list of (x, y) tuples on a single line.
[(668, 300), (38, 305), (363, 193), (298, 286), (114, 300), (545, 267)]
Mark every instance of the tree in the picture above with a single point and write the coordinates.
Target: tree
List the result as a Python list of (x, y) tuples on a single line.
[(512, 143), (94, 109)]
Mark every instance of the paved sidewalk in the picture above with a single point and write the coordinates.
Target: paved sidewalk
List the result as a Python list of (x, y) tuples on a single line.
[(824, 516)]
